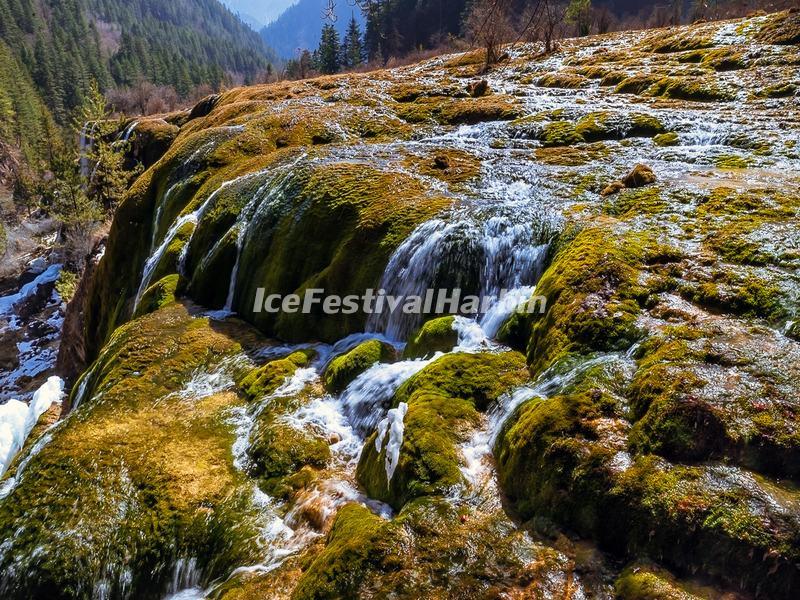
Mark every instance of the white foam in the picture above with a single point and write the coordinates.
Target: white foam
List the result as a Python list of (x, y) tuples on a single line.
[(18, 419)]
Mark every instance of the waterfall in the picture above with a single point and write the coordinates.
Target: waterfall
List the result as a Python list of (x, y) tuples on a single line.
[(193, 217), (365, 399), (482, 257)]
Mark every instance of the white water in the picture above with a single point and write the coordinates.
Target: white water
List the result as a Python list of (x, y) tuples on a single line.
[(498, 252), (392, 425), (366, 399), (18, 419)]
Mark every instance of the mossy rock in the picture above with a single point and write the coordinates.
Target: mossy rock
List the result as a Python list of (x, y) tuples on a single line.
[(667, 139), (443, 403), (151, 472), (331, 226), (636, 84), (160, 294), (779, 90), (264, 380), (151, 140), (436, 335), (584, 312), (781, 28), (345, 368), (668, 42), (689, 88), (560, 133), (557, 457), (648, 582), (358, 542), (278, 450), (562, 80)]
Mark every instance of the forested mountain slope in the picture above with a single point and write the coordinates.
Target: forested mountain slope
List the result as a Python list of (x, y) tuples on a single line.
[(57, 47)]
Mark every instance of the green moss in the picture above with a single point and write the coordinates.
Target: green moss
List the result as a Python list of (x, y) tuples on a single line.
[(751, 297), (151, 472), (481, 378), (278, 450), (436, 335), (450, 165), (443, 402), (357, 543), (646, 582), (636, 202), (781, 28), (344, 369), (560, 133), (669, 42), (160, 294), (689, 88), (732, 161), (636, 84), (459, 111), (779, 90), (585, 311), (331, 226), (265, 380), (67, 283), (725, 59), (667, 139)]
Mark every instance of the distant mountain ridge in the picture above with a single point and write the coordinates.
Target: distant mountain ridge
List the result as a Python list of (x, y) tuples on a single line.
[(299, 27), (258, 13)]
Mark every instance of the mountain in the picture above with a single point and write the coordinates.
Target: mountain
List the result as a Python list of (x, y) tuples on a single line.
[(51, 50), (300, 25), (258, 13), (63, 44)]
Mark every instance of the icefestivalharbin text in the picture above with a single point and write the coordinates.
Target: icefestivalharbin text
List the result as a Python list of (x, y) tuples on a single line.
[(439, 302)]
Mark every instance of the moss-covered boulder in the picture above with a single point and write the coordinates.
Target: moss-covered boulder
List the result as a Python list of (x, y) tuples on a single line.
[(444, 400), (264, 380), (585, 311), (138, 478), (436, 335), (343, 369)]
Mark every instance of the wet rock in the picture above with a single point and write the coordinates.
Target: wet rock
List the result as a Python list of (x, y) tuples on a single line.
[(640, 176), (613, 188), (9, 355), (476, 89)]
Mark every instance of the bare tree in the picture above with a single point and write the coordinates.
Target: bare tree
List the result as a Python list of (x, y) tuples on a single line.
[(489, 24)]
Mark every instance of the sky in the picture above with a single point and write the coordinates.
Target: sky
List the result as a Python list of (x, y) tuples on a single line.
[(260, 11)]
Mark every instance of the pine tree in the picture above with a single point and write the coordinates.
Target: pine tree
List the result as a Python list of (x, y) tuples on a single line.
[(353, 47), (328, 52)]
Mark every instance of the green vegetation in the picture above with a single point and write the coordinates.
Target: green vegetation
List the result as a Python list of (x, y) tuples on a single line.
[(443, 403), (436, 335), (345, 368)]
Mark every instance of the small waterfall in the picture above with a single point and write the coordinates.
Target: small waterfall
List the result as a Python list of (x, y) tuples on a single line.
[(480, 256), (193, 217), (85, 147), (128, 132), (369, 396), (152, 262)]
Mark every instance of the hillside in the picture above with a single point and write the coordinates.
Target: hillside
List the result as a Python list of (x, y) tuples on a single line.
[(60, 46), (634, 437)]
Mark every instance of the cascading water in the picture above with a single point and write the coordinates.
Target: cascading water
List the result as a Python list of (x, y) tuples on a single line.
[(487, 252)]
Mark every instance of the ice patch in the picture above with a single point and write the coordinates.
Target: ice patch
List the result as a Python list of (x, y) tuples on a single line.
[(18, 419), (393, 423)]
